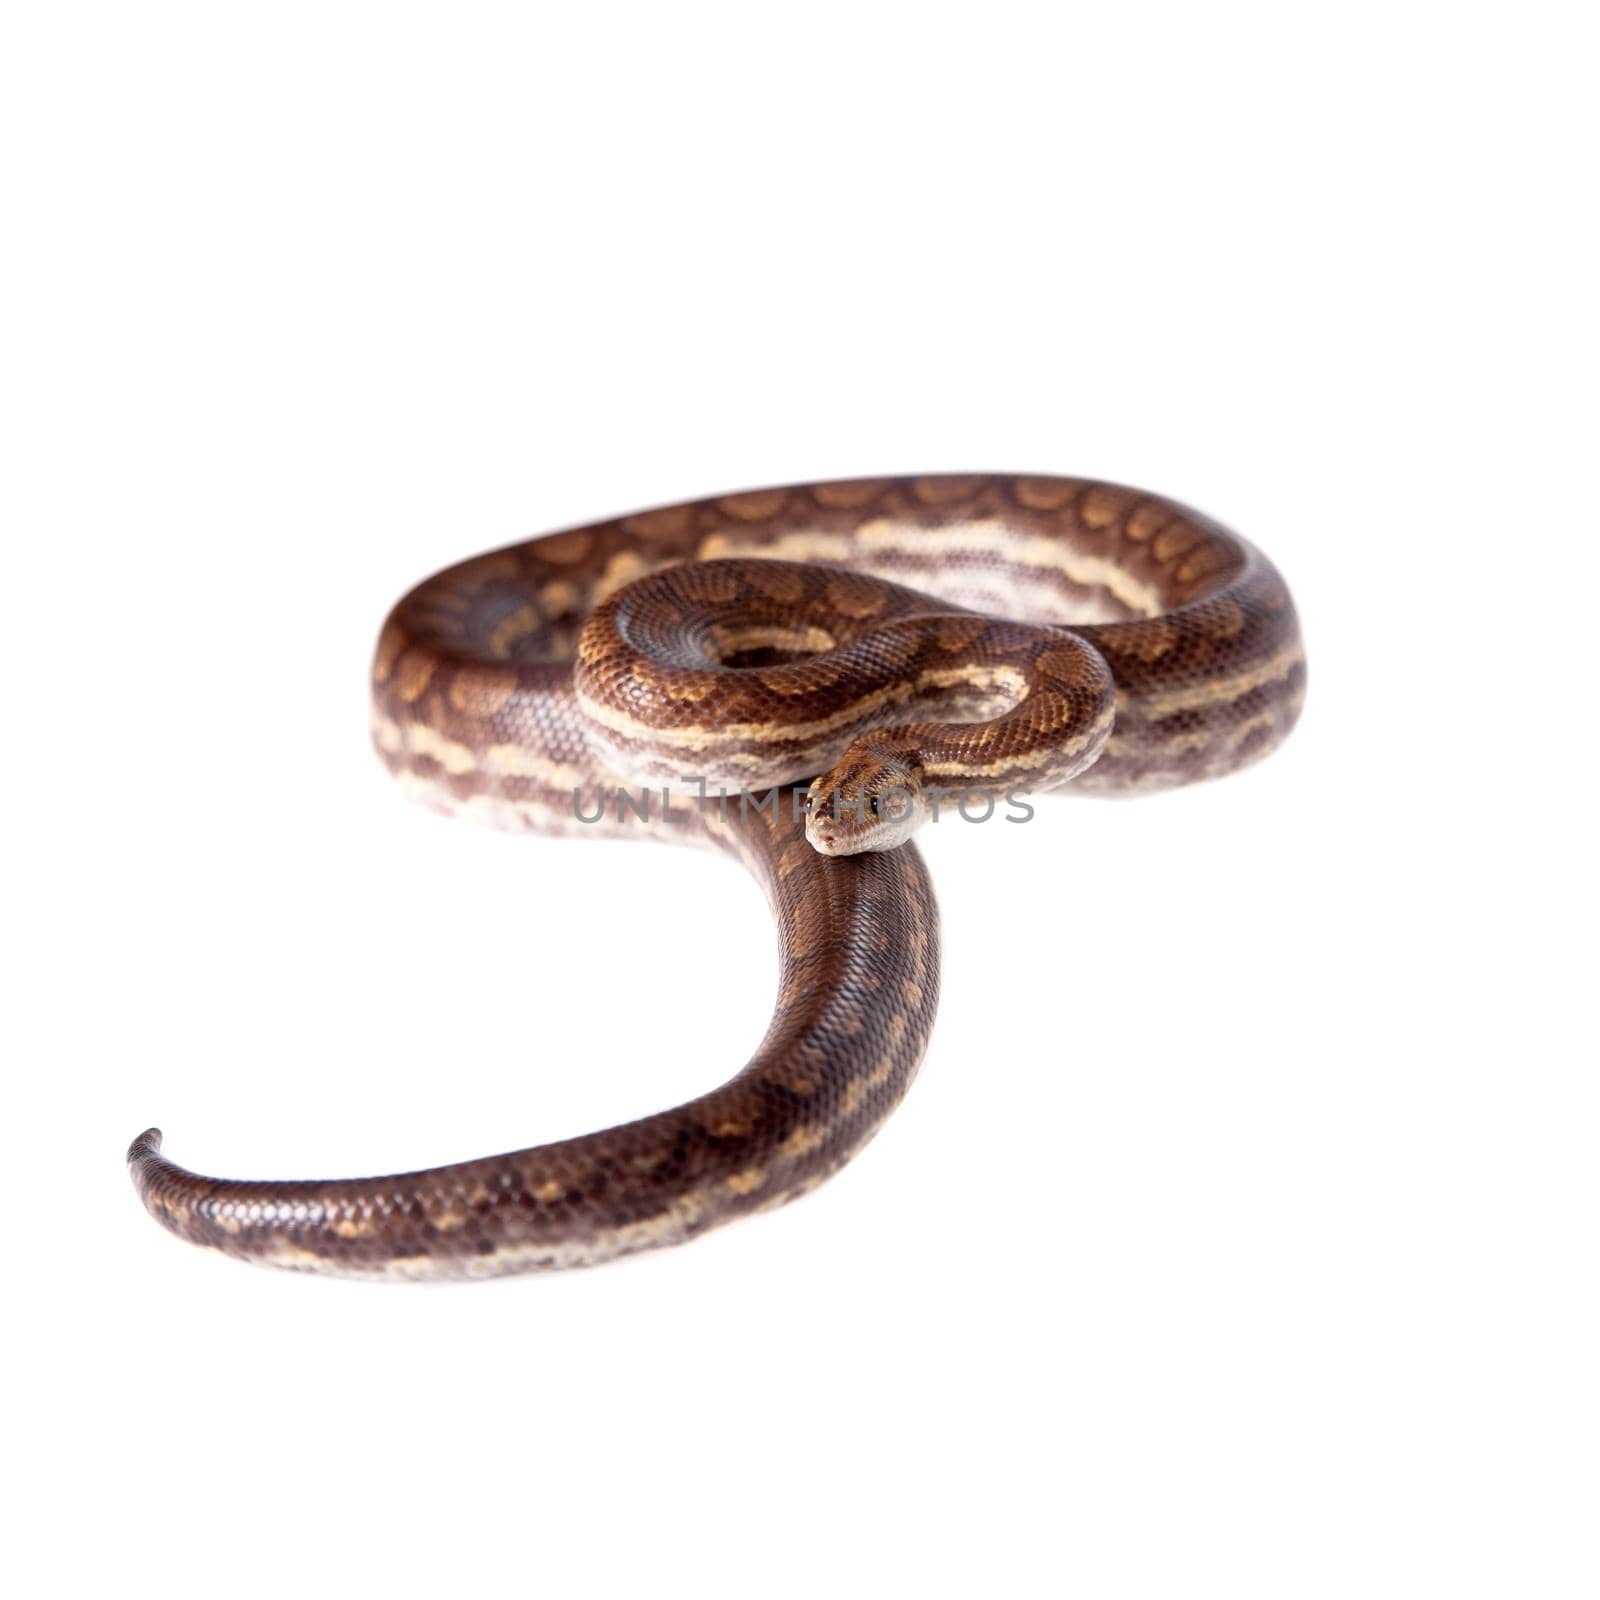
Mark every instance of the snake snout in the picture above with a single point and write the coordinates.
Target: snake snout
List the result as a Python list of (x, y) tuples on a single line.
[(870, 800)]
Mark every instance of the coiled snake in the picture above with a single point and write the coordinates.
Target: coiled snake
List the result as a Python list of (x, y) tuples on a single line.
[(727, 649)]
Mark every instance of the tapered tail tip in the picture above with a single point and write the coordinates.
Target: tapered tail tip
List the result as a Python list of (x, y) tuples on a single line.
[(146, 1144)]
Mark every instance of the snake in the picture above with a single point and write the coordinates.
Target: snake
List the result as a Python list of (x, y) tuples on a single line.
[(800, 677)]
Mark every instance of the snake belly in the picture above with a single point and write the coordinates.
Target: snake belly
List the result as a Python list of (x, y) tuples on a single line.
[(1006, 617)]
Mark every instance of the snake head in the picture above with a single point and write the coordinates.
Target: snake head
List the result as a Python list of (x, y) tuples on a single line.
[(871, 799)]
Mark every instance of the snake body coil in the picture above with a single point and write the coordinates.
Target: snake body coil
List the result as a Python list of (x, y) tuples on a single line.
[(846, 636)]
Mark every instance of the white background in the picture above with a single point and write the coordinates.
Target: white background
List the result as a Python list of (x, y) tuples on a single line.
[(1239, 1236)]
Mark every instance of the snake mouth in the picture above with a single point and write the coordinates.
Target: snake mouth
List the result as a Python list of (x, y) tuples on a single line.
[(823, 835), (831, 844)]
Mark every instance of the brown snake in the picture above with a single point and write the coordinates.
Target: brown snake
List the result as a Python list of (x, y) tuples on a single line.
[(743, 644)]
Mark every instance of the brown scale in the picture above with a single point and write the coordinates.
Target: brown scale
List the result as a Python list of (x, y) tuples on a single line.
[(751, 673), (1106, 599)]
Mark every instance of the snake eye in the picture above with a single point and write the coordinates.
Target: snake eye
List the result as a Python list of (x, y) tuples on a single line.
[(873, 802)]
